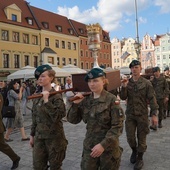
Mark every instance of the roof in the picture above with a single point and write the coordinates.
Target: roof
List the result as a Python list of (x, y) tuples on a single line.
[(53, 20), (79, 28), (23, 6), (48, 50)]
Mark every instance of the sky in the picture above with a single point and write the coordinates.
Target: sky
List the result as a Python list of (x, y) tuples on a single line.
[(118, 17)]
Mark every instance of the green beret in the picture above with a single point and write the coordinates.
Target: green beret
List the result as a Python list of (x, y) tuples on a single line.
[(94, 73), (39, 70), (134, 63), (155, 69), (166, 68)]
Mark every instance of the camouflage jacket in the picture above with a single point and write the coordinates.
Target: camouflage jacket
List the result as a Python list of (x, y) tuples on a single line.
[(167, 79), (2, 127), (161, 87), (46, 118), (104, 118), (138, 94)]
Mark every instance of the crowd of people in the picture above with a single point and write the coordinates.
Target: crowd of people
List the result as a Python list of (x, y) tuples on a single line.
[(100, 111)]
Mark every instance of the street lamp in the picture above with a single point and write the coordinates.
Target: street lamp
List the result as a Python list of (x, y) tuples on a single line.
[(93, 32), (137, 44)]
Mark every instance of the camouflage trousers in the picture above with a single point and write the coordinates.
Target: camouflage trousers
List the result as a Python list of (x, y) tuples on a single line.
[(161, 108), (106, 161), (139, 124), (44, 151)]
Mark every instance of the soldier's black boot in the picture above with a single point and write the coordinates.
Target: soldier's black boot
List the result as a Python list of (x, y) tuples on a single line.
[(160, 124), (139, 163), (164, 114), (133, 156), (15, 163), (168, 114)]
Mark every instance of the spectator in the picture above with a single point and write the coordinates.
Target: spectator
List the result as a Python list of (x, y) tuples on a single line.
[(14, 99)]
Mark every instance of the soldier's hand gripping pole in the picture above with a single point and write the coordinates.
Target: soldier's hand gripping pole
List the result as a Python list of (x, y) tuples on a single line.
[(34, 96)]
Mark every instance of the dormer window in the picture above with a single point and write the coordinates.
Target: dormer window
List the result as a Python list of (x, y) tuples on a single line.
[(13, 13), (81, 30), (59, 28), (70, 31), (14, 17), (29, 21), (105, 37), (45, 25)]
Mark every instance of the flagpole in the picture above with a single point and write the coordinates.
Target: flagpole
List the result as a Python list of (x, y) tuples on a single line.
[(137, 45)]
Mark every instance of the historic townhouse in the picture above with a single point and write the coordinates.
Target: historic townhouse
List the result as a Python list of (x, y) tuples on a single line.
[(32, 36), (86, 56), (19, 36)]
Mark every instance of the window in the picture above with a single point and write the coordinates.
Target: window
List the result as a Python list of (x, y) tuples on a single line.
[(69, 60), (6, 60), (75, 62), (35, 61), (26, 60), (81, 30), (15, 36), (82, 65), (81, 53), (91, 54), (63, 44), (45, 25), (14, 17), (86, 53), (47, 42), (58, 60), (29, 21), (158, 57), (16, 61), (59, 28), (71, 31), (69, 45), (92, 65), (34, 40), (81, 41), (87, 65), (64, 61), (164, 56), (57, 43), (5, 35), (25, 38), (74, 46), (51, 60)]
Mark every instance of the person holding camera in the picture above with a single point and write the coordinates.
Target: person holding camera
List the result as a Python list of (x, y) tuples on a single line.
[(14, 97)]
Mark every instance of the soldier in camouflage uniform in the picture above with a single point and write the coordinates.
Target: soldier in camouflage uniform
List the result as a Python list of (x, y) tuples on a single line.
[(104, 117), (47, 133), (138, 91), (167, 105), (161, 88)]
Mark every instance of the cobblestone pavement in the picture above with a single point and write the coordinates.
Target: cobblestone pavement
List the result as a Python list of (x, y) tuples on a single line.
[(157, 156)]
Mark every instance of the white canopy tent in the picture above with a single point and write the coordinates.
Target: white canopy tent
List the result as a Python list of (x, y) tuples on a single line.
[(72, 69), (26, 72), (59, 71)]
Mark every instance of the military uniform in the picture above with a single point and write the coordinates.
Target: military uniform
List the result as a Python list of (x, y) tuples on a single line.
[(138, 94), (167, 105), (47, 128), (104, 118), (161, 88), (4, 147)]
